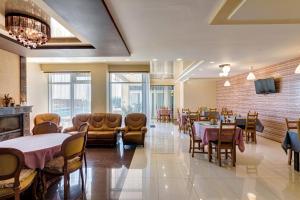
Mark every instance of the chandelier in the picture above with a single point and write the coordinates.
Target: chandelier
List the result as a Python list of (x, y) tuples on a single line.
[(29, 31)]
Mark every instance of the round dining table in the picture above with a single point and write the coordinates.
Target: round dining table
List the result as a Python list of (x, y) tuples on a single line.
[(37, 149)]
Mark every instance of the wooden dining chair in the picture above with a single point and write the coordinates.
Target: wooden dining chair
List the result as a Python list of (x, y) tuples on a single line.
[(194, 116), (212, 109), (226, 141), (44, 128), (292, 125), (185, 110), (179, 121), (84, 128), (195, 140), (69, 160), (250, 129), (14, 178)]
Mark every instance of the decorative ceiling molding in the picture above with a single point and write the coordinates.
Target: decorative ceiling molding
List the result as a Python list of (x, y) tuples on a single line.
[(229, 8)]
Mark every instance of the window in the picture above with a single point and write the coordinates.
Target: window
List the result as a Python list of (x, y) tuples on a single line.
[(69, 94), (161, 96), (128, 92)]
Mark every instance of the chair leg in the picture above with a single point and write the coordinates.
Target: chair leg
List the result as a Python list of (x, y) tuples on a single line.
[(66, 191), (84, 157), (193, 149), (209, 151), (290, 156), (254, 135), (190, 145), (226, 154), (219, 157), (17, 194), (82, 179)]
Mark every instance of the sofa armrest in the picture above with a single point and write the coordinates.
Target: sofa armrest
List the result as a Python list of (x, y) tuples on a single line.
[(69, 129), (144, 130), (118, 129)]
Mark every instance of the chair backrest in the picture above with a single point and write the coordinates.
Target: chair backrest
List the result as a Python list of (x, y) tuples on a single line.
[(229, 113), (194, 116), (185, 110), (135, 121), (11, 164), (44, 128), (47, 117), (292, 124), (251, 121), (212, 109), (74, 146), (226, 133)]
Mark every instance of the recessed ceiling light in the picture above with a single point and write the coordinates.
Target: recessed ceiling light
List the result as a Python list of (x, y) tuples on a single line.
[(127, 59), (154, 59), (179, 59), (211, 62)]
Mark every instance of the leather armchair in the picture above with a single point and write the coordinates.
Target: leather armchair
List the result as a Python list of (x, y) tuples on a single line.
[(135, 129), (48, 117)]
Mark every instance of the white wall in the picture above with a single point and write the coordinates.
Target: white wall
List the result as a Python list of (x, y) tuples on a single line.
[(37, 90), (200, 92), (9, 75)]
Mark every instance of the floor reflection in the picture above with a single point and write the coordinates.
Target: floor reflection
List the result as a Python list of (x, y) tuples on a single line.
[(104, 177)]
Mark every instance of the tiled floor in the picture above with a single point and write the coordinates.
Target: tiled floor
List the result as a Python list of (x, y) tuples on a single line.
[(165, 170)]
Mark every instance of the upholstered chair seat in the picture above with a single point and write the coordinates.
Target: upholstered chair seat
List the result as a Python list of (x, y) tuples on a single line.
[(135, 129), (56, 165), (14, 178)]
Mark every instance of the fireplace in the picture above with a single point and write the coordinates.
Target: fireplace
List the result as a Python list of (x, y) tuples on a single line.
[(14, 122), (10, 124)]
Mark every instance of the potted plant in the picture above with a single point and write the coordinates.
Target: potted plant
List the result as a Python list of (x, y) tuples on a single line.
[(7, 100)]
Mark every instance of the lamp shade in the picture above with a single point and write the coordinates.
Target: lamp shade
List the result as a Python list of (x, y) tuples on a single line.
[(251, 76), (226, 69), (297, 71), (227, 83)]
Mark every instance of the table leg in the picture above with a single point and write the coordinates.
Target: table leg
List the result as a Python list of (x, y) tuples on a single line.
[(296, 161)]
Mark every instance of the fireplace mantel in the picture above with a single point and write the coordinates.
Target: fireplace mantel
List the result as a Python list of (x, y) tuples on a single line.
[(23, 113), (15, 110)]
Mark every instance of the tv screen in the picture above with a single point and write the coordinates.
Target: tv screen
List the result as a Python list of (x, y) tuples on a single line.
[(265, 86)]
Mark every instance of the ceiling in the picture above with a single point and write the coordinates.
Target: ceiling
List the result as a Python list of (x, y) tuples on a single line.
[(93, 32), (246, 32)]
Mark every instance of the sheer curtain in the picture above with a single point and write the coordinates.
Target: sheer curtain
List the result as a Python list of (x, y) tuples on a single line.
[(129, 92), (69, 94)]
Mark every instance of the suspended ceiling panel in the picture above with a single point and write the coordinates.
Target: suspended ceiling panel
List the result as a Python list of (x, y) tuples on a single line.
[(258, 12), (92, 31)]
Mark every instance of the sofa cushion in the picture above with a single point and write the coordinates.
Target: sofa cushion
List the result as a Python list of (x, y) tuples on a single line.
[(133, 137), (101, 134), (79, 119)]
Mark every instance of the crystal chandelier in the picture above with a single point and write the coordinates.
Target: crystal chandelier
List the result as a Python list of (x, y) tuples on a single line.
[(30, 31)]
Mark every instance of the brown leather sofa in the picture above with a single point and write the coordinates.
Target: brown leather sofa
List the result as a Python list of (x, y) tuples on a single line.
[(103, 127), (135, 129)]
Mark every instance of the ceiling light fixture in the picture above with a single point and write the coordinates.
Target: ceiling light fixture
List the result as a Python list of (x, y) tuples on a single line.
[(154, 59), (297, 71), (251, 76), (179, 59), (227, 83), (211, 62), (30, 31)]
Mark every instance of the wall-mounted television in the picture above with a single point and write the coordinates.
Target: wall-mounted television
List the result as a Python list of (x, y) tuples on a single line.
[(265, 86)]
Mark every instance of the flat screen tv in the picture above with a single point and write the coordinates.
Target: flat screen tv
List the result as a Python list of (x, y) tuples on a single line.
[(265, 86)]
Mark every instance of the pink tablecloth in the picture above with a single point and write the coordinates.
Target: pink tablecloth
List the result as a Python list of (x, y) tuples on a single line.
[(37, 149), (209, 132)]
